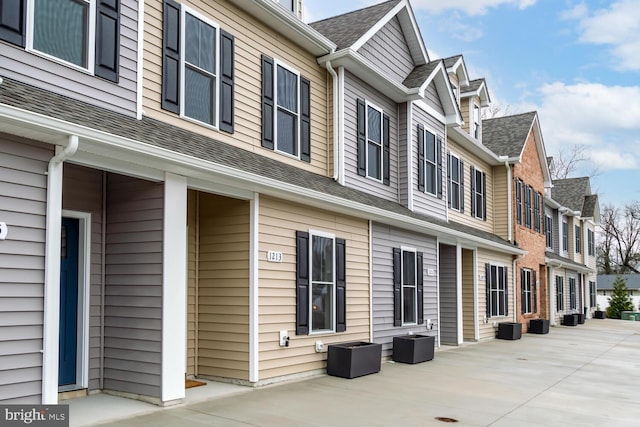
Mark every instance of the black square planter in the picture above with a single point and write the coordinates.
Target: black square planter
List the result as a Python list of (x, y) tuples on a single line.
[(570, 320), (509, 331), (539, 326), (354, 359), (413, 348), (599, 314), (581, 318)]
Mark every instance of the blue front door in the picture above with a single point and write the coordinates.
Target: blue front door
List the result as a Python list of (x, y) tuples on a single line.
[(67, 359)]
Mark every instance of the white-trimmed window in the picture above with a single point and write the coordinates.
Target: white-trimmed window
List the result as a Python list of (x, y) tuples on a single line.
[(476, 121), (559, 293), (430, 149), (573, 300), (199, 63), (374, 142), (323, 284), (287, 117), (527, 291), (478, 193), (409, 287), (455, 176), (497, 290)]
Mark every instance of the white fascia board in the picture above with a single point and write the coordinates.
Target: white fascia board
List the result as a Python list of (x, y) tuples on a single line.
[(460, 70), (422, 104), (542, 154), (192, 166), (470, 144), (286, 23), (482, 92), (441, 79), (568, 265), (378, 26)]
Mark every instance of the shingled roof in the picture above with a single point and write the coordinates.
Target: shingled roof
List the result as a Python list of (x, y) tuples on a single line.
[(344, 30), (451, 61), (571, 193), (420, 74), (506, 136), (590, 206), (159, 134)]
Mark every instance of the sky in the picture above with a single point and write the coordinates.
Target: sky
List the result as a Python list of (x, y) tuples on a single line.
[(577, 63)]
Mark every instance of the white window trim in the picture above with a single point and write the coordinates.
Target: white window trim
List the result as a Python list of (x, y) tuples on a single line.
[(91, 39), (506, 287), (435, 164), (276, 64), (184, 10), (312, 234), (404, 249), (563, 248), (529, 292), (366, 127), (483, 194), (461, 175)]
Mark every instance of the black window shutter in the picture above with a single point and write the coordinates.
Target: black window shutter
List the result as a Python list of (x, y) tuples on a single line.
[(518, 201), (397, 287), (302, 283), (171, 57), (362, 138), (13, 21), (341, 285), (107, 56), (472, 174), (484, 196), (305, 120), (487, 276), (227, 42), (506, 290), (267, 103), (440, 150), (386, 157), (534, 286), (421, 178), (449, 179), (522, 302), (420, 287), (461, 170)]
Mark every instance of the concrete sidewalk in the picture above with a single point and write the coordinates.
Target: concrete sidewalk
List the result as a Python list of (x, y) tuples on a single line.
[(575, 376)]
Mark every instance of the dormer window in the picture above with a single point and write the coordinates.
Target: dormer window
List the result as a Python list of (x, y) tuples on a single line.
[(290, 5)]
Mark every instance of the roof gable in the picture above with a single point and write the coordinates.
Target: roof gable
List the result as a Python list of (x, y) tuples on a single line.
[(477, 87), (456, 65), (573, 193)]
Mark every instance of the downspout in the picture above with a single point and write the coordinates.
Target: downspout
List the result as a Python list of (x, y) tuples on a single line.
[(336, 121), (51, 328)]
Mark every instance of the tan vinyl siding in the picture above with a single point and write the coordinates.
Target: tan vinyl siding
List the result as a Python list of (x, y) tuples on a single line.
[(279, 221), (389, 42), (467, 217), (486, 329), (500, 205), (468, 305), (252, 39), (223, 287), (192, 274), (23, 195), (464, 111), (82, 191)]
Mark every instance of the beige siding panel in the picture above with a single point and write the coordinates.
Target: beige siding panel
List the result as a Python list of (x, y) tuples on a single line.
[(500, 202), (192, 262), (251, 40), (486, 328), (468, 306), (466, 217), (277, 285), (223, 287)]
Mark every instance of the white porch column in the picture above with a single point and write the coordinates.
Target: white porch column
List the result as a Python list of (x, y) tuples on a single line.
[(254, 286), (174, 288)]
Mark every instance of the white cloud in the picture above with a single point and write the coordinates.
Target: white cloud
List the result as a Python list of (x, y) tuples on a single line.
[(469, 7), (617, 27), (603, 118)]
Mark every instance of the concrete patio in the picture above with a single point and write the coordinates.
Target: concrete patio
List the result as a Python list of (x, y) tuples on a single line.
[(574, 376)]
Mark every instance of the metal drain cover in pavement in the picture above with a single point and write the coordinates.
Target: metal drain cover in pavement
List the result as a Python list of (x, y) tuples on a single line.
[(447, 419)]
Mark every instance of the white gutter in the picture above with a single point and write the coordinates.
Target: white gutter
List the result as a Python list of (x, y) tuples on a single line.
[(266, 186), (337, 112), (51, 327)]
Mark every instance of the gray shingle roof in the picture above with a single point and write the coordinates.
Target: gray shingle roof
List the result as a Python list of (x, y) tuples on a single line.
[(473, 86), (506, 136), (420, 74), (571, 192), (344, 30), (451, 61), (589, 206), (605, 281), (156, 133), (568, 262)]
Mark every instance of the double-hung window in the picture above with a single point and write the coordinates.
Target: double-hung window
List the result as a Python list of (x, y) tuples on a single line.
[(197, 68), (497, 291), (578, 238), (478, 193), (565, 235), (320, 283), (548, 229), (527, 205), (287, 119), (559, 293), (407, 286), (455, 176), (430, 149), (591, 243), (518, 201), (82, 34), (527, 291), (373, 142), (573, 300)]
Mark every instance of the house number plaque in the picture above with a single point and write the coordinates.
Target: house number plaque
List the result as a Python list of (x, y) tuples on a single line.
[(274, 256)]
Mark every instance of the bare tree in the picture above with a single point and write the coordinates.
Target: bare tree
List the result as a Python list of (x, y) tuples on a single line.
[(496, 110), (619, 246), (568, 160)]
